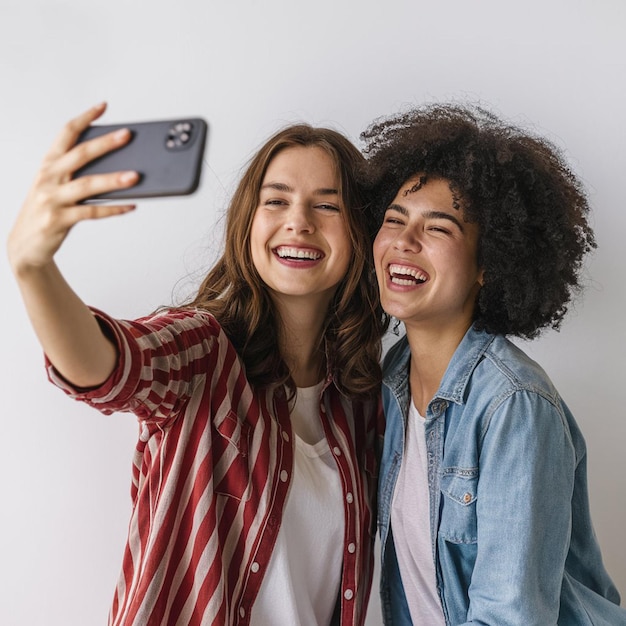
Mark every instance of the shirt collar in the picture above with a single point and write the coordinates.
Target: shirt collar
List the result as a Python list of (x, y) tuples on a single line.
[(462, 364), (456, 377)]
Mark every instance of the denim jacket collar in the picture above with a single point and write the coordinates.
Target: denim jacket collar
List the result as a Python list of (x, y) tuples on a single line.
[(452, 387)]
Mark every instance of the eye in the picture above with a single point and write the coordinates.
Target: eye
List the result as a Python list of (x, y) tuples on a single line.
[(274, 202), (439, 229), (393, 220), (328, 207)]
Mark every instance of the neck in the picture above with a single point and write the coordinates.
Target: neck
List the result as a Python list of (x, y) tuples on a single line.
[(431, 351), (300, 340)]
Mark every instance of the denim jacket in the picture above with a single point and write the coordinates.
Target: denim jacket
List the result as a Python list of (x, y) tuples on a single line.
[(512, 539)]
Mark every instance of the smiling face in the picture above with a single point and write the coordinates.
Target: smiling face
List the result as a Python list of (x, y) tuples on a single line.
[(426, 258), (299, 240)]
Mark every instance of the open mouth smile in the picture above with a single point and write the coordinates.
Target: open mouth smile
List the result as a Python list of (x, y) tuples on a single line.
[(406, 276), (290, 253)]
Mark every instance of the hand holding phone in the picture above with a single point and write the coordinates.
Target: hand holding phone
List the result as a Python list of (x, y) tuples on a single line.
[(167, 155)]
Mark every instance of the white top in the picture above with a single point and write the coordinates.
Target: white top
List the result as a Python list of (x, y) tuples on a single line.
[(410, 523), (304, 573)]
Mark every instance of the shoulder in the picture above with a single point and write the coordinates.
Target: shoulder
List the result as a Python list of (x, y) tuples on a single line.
[(178, 327), (489, 373), (494, 365), (512, 368), (187, 335), (508, 390), (182, 319)]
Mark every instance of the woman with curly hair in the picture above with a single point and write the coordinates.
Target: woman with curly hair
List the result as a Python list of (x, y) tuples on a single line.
[(254, 478), (483, 505)]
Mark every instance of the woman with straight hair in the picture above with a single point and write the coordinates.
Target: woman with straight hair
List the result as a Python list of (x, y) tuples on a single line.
[(254, 472)]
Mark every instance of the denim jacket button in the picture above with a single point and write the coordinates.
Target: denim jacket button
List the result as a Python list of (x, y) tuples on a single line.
[(467, 497)]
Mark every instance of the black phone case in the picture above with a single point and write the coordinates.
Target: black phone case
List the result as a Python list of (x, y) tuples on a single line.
[(167, 155)]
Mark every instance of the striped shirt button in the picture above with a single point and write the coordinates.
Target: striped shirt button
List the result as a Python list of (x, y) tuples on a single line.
[(242, 612), (254, 567), (337, 451), (285, 435), (351, 548), (348, 594), (349, 497), (284, 476), (322, 408)]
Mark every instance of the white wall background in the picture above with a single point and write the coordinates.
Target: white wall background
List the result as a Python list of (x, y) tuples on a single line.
[(250, 67)]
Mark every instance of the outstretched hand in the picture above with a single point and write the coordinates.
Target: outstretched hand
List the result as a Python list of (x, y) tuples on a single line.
[(53, 204)]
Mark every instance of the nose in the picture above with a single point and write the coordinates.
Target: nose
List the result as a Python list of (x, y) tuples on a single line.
[(300, 218), (408, 241)]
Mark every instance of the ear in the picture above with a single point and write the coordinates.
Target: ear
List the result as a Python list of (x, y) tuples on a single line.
[(481, 277)]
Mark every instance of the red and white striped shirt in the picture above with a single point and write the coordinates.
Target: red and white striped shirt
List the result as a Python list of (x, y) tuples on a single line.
[(211, 473)]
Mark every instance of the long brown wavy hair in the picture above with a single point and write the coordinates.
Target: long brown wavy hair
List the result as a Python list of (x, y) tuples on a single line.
[(235, 294)]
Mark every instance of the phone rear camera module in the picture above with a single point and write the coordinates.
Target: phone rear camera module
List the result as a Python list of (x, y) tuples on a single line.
[(179, 135)]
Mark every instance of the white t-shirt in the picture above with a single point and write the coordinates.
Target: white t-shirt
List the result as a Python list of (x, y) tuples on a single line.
[(304, 573), (410, 523)]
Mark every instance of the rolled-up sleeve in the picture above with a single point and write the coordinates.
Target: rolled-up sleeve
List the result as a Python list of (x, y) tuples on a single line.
[(159, 360)]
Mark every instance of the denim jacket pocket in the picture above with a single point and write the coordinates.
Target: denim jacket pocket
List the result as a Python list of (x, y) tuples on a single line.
[(459, 488)]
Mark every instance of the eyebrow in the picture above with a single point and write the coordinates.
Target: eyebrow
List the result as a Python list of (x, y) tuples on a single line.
[(432, 214), (322, 191)]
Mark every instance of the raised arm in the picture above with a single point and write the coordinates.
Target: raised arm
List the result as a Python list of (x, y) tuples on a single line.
[(67, 331)]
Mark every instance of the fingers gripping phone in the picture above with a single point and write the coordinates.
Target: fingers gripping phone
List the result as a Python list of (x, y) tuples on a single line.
[(166, 154)]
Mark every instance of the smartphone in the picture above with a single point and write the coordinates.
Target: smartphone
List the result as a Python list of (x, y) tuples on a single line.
[(167, 155)]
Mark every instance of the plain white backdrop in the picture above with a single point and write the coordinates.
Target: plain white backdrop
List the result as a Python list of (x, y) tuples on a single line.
[(249, 68)]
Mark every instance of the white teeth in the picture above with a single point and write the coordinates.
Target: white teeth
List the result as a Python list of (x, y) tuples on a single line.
[(400, 281), (297, 253), (395, 271)]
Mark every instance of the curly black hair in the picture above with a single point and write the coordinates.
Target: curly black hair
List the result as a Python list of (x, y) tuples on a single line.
[(530, 208)]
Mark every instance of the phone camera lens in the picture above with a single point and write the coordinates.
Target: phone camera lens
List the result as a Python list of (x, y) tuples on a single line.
[(179, 135)]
